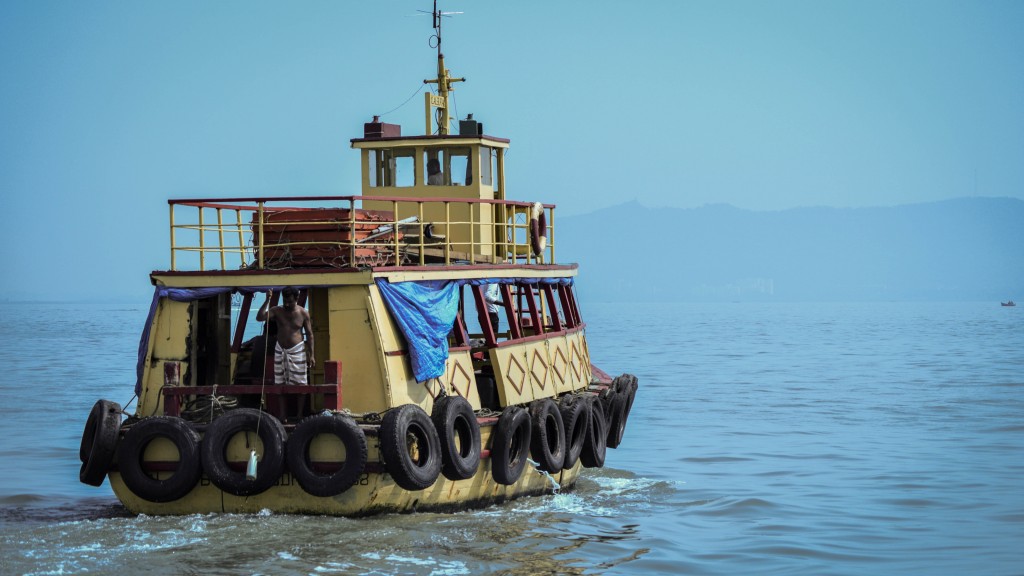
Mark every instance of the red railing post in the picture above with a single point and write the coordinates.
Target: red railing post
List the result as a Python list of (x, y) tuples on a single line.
[(332, 376), (172, 379)]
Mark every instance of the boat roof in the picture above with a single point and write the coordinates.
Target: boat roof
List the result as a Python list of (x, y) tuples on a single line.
[(426, 140), (353, 276)]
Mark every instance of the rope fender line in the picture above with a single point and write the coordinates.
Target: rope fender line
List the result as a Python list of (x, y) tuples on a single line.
[(555, 486)]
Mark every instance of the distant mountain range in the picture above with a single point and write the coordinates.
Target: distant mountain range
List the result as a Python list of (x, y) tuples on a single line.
[(961, 249)]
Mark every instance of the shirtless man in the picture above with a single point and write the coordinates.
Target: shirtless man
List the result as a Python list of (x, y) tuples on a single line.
[(293, 353)]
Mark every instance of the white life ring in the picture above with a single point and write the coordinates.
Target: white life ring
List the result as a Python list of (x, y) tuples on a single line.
[(538, 229)]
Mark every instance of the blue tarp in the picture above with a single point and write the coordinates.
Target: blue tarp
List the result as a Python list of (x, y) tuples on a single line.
[(425, 312)]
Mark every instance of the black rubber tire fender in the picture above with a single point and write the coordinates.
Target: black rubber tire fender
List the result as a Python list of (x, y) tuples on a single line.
[(547, 443), (616, 420), (301, 467), (634, 385), (133, 447), (592, 455), (459, 433), (626, 388), (606, 398), (510, 444), (214, 451), (576, 419), (99, 442), (401, 429)]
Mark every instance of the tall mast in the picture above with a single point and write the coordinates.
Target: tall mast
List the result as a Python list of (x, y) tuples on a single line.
[(444, 82)]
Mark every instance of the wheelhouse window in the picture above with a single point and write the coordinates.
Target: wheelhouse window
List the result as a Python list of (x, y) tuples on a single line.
[(445, 166), (394, 167)]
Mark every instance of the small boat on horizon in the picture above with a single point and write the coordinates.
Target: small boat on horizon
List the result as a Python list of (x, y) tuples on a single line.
[(1009, 303)]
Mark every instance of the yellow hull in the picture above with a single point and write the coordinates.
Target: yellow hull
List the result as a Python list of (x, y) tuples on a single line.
[(375, 493)]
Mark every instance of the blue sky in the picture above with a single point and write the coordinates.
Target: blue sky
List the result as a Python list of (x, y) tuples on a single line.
[(109, 108)]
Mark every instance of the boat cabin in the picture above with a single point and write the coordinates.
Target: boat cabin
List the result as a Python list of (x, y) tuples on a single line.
[(432, 210)]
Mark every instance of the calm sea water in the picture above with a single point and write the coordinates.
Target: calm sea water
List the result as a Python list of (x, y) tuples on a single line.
[(768, 438)]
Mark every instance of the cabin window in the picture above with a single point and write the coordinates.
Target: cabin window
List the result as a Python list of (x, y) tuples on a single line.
[(434, 173), (392, 167), (444, 166)]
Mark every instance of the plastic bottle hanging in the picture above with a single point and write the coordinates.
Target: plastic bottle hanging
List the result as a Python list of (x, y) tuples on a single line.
[(250, 470)]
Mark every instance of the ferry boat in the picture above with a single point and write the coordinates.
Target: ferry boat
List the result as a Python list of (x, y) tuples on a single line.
[(416, 399)]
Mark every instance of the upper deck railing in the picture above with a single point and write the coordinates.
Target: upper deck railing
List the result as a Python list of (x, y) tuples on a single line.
[(356, 231)]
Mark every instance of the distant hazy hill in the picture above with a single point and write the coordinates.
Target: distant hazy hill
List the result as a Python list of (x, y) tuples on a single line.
[(971, 248)]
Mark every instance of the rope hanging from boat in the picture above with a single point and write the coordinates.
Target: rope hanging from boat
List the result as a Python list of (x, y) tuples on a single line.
[(128, 403), (208, 408), (251, 467), (555, 486)]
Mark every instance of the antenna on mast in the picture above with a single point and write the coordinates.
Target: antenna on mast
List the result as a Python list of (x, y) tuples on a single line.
[(436, 16), (444, 81)]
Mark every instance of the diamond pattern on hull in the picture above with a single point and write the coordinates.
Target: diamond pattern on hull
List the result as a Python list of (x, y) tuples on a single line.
[(574, 361), (558, 364), (460, 380), (515, 374), (539, 369), (434, 386)]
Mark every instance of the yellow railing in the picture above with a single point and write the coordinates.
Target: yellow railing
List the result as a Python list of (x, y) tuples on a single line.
[(356, 231)]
